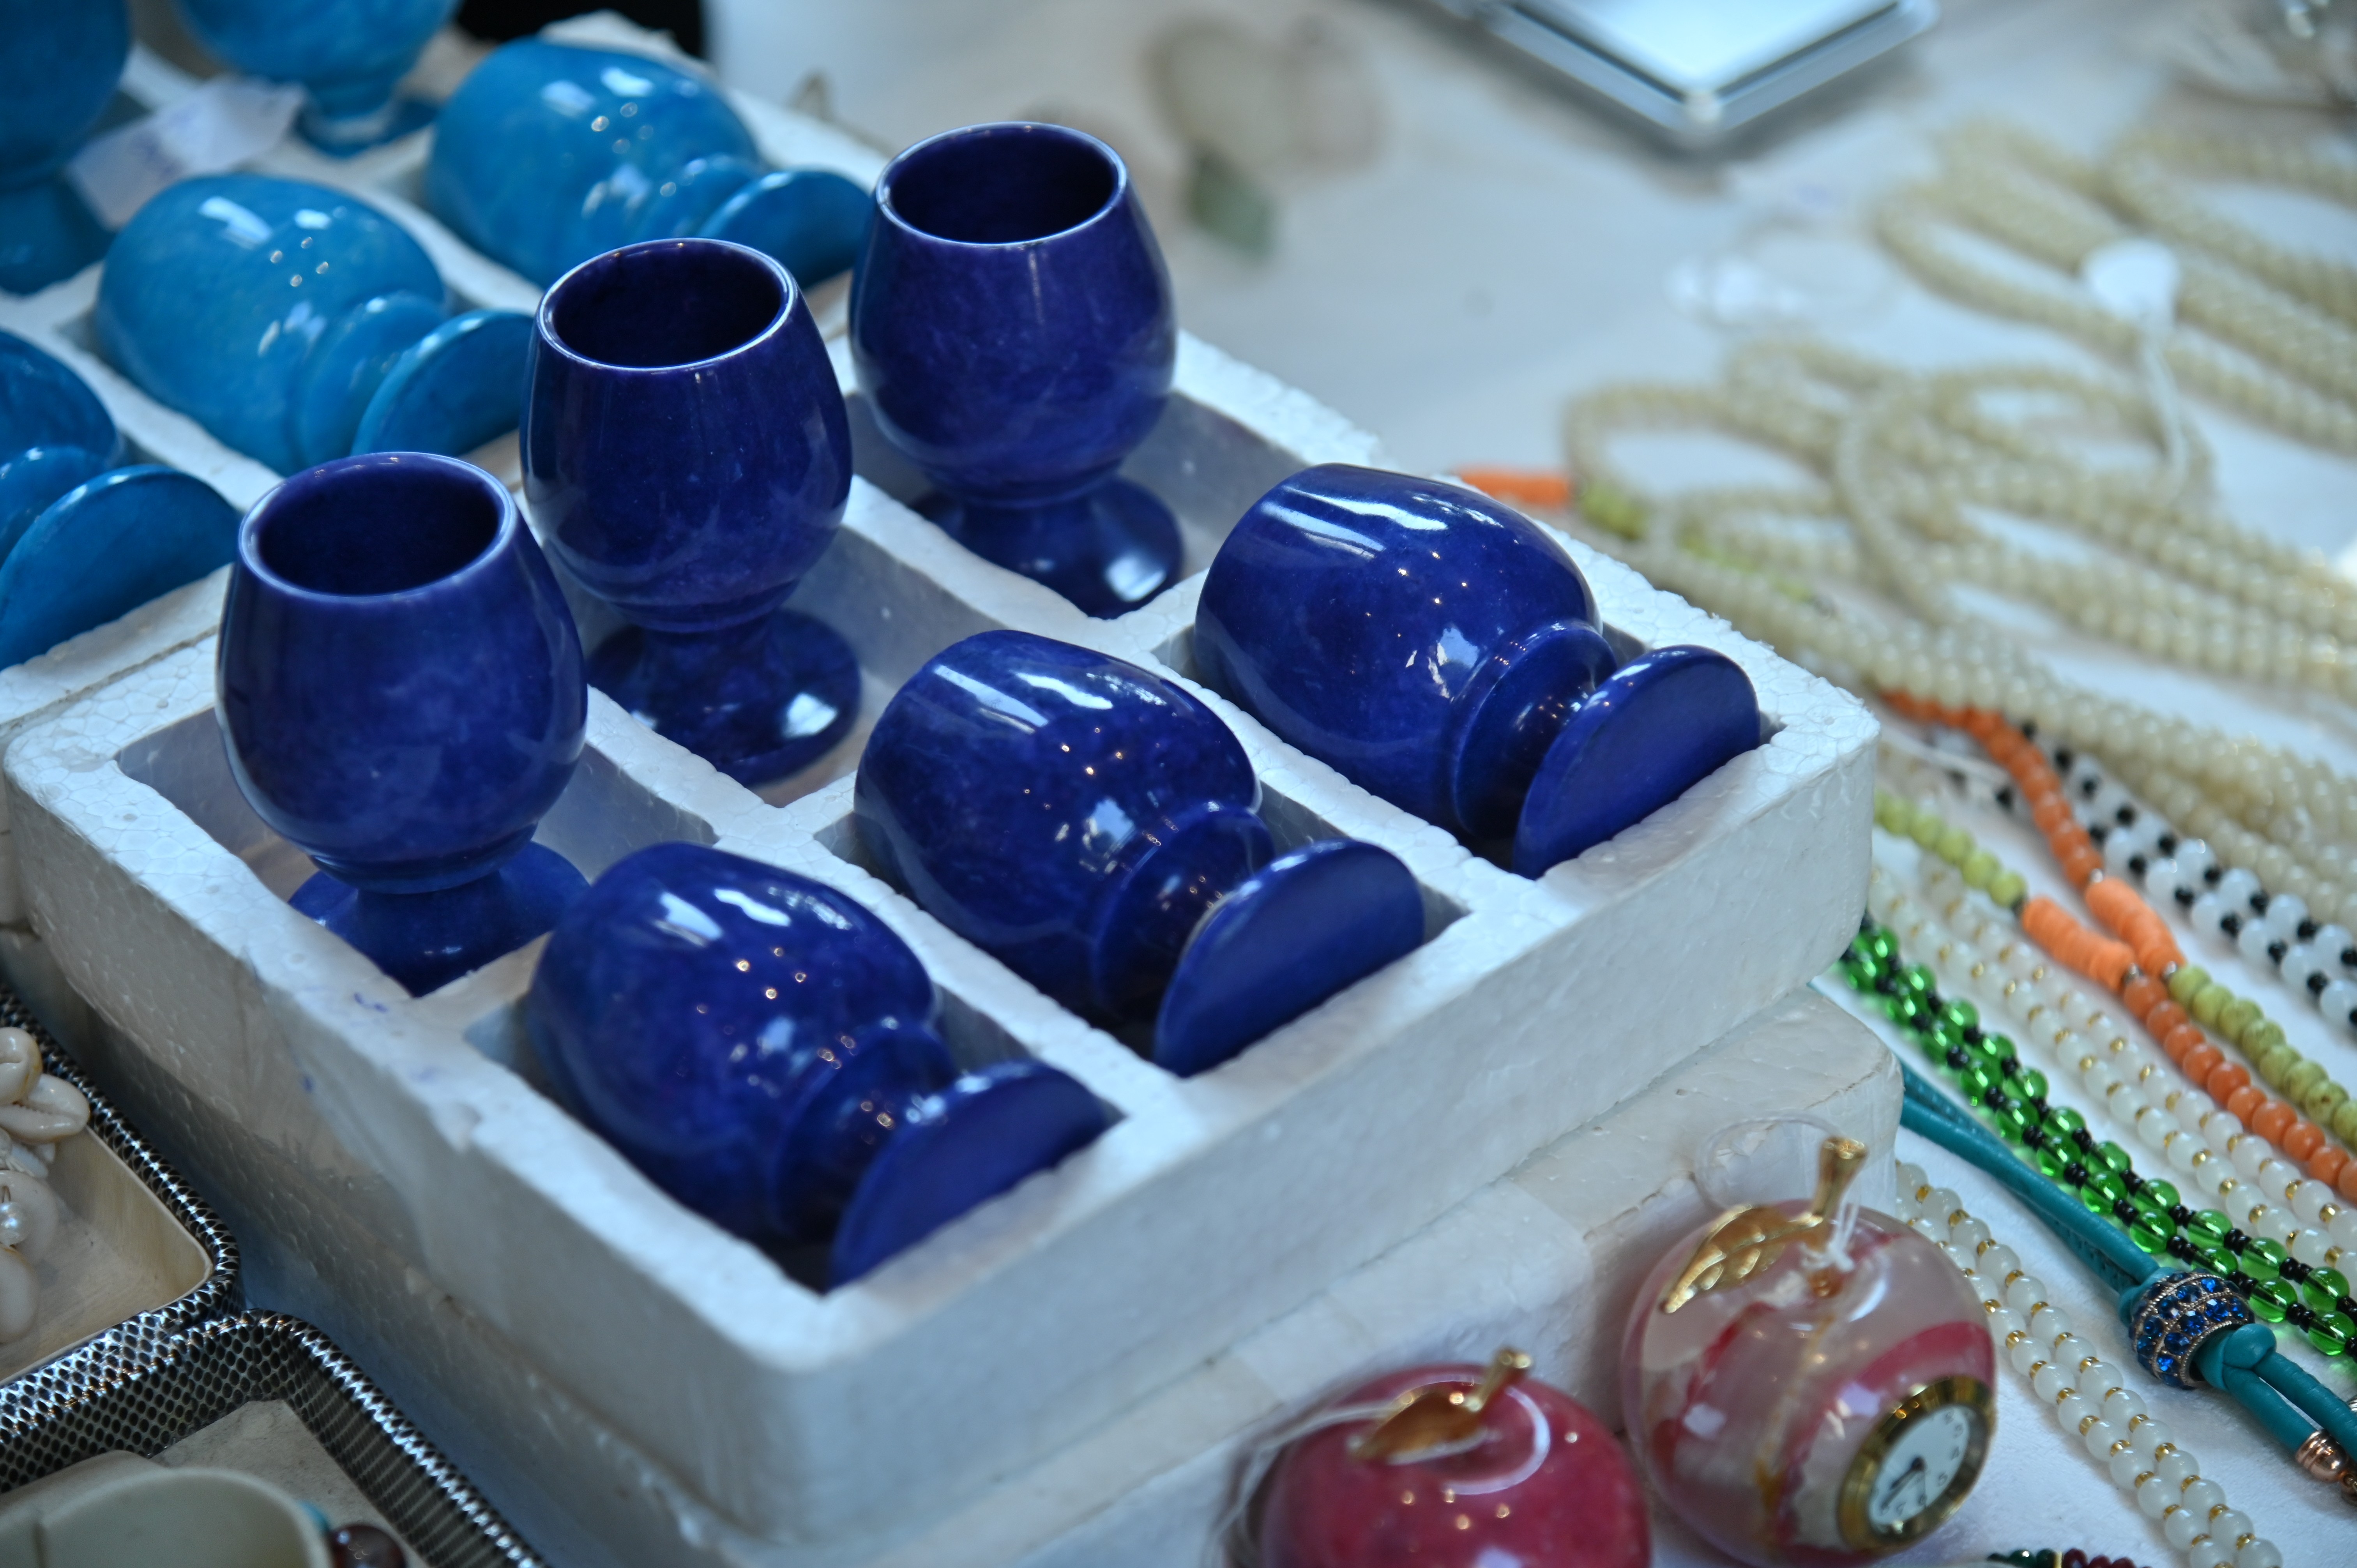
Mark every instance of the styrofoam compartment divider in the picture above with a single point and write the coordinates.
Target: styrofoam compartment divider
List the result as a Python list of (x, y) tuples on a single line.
[(1212, 1205), (382, 1126)]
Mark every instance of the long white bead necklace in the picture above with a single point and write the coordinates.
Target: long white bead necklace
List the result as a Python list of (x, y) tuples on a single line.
[(2268, 353), (1717, 549), (2138, 175), (1977, 953), (2088, 1394)]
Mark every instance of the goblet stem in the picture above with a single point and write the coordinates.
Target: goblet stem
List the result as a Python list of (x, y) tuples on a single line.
[(759, 700), (426, 940), (1108, 550)]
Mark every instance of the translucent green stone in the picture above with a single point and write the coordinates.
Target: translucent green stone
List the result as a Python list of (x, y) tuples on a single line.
[(2065, 1123), (2271, 1299), (1977, 1082), (2256, 1261), (2013, 1123), (2214, 1258), (2103, 1191), (2162, 1196), (1961, 1016), (2210, 1225), (2153, 1232), (2050, 1161), (2331, 1332), (1881, 944), (1940, 1037), (1918, 979), (1904, 1007), (2323, 1289)]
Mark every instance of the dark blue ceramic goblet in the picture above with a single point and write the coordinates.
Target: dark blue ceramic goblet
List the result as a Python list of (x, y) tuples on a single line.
[(400, 692), (298, 324), (349, 56), (687, 459), (63, 62), (1095, 827), (1011, 321), (763, 1049), (549, 154), (1440, 651), (82, 541)]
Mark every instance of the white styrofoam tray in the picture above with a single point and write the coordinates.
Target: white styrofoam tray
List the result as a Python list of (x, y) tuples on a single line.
[(1214, 1206)]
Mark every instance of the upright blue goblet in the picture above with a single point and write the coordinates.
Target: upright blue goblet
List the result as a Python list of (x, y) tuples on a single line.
[(401, 695), (549, 154), (1011, 321), (687, 459), (64, 60), (764, 1049), (1095, 827), (297, 323), (349, 57), (1439, 650)]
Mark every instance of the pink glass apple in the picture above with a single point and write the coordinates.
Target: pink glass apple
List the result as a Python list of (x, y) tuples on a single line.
[(1533, 1481), (1800, 1396)]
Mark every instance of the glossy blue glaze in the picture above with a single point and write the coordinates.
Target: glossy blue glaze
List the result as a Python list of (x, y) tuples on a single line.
[(1076, 816), (54, 434), (103, 549), (1368, 618), (274, 313), (65, 59), (349, 56), (1656, 727), (763, 1049), (399, 681), (1012, 324), (688, 458), (1293, 933), (1441, 650), (549, 154)]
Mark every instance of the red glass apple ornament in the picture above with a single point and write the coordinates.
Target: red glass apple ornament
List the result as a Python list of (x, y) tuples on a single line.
[(1808, 1386), (1454, 1466)]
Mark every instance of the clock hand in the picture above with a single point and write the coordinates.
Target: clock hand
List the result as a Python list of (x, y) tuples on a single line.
[(1914, 1469)]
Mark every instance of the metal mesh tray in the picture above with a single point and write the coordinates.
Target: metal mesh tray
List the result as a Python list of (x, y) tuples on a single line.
[(29, 1398), (212, 1369)]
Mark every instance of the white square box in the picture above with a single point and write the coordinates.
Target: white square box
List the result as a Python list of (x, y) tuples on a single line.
[(1214, 1205), (381, 1126)]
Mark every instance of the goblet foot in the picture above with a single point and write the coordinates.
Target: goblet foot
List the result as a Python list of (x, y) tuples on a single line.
[(1305, 925), (103, 549), (426, 940), (46, 234), (757, 700), (351, 135), (973, 1139), (1108, 551), (1650, 731)]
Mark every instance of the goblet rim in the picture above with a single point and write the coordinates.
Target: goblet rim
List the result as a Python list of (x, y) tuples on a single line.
[(544, 325), (250, 559), (1113, 197)]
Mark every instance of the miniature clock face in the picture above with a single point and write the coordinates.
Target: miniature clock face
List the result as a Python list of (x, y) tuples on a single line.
[(1919, 1464)]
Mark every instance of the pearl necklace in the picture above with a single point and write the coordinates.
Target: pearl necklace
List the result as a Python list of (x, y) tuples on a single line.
[(2138, 179), (2088, 1395), (2284, 362), (1713, 547)]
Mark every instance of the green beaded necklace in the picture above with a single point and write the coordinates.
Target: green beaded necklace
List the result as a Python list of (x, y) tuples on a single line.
[(2012, 1098)]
